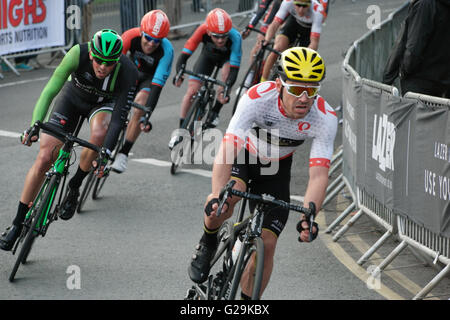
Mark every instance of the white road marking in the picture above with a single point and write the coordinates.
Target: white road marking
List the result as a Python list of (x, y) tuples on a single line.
[(198, 172), (9, 134), (11, 84)]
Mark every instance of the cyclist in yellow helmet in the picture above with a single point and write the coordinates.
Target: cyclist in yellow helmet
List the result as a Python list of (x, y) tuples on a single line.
[(271, 121)]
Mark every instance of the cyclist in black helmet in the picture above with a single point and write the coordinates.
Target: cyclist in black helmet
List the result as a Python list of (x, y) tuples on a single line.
[(94, 81)]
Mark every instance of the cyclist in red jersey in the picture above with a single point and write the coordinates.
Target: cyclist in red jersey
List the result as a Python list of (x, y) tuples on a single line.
[(302, 20)]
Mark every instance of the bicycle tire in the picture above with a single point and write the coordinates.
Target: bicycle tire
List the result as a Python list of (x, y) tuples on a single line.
[(257, 247), (255, 80), (100, 182), (31, 233), (86, 190), (187, 124), (98, 186)]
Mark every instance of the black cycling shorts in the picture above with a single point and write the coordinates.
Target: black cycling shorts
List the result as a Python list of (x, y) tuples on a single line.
[(70, 110), (294, 31), (277, 185), (207, 61)]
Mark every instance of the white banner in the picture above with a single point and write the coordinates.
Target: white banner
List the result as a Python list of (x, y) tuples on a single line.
[(31, 24)]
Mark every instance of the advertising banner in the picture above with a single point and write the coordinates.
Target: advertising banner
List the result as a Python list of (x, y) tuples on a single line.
[(376, 143), (423, 181), (31, 24), (351, 102)]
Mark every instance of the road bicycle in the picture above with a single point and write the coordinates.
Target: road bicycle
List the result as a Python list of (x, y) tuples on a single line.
[(244, 236), (45, 208), (196, 118), (256, 67), (96, 183)]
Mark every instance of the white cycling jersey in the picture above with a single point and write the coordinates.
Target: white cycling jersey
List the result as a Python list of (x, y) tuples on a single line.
[(261, 108), (313, 18)]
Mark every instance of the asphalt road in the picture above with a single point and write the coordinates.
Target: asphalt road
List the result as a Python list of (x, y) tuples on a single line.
[(136, 241)]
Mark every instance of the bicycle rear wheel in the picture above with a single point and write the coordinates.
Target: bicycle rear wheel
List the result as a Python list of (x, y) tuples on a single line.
[(253, 250), (86, 190), (256, 65), (193, 115), (37, 220)]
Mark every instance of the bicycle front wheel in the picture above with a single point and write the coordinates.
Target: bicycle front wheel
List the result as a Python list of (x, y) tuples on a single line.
[(189, 123), (98, 186), (250, 260), (100, 182), (37, 221)]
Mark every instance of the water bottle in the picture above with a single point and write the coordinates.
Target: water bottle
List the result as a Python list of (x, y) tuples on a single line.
[(236, 249)]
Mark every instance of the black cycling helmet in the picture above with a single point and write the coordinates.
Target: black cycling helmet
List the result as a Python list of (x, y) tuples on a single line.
[(107, 45)]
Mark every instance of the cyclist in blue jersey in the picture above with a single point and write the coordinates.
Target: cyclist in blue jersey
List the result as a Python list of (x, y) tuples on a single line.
[(152, 53), (222, 47)]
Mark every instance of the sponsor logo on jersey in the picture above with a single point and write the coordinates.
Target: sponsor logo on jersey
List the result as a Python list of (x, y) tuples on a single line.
[(303, 125)]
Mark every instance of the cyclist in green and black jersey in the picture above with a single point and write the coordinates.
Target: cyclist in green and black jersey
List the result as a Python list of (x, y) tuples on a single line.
[(94, 81)]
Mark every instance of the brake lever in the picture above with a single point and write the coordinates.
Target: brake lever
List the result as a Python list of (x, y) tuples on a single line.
[(145, 120), (33, 132), (312, 208), (225, 193), (178, 75)]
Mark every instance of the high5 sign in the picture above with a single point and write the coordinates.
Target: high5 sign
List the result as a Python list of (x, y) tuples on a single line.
[(31, 24)]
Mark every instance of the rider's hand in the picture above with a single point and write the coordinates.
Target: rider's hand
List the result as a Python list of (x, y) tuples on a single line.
[(178, 82), (245, 33), (145, 124), (100, 163), (146, 128), (24, 137), (303, 229), (221, 98), (212, 204)]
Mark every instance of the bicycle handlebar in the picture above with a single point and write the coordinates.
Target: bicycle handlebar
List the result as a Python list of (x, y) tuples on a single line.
[(138, 106), (205, 78), (256, 30), (227, 191), (268, 48), (66, 136), (145, 119)]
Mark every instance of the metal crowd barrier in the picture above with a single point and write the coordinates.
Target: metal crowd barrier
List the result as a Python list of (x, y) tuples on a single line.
[(361, 66), (416, 236)]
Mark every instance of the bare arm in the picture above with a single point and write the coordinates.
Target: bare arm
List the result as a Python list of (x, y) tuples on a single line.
[(222, 166), (273, 28), (315, 192), (314, 43), (317, 186)]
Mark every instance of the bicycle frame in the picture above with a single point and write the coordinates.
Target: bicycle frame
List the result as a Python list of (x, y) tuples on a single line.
[(60, 169), (227, 280)]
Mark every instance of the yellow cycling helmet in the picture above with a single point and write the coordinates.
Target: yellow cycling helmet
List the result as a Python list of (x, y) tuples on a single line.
[(301, 64)]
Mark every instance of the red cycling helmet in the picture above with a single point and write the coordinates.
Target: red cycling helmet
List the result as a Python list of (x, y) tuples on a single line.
[(156, 24), (218, 21)]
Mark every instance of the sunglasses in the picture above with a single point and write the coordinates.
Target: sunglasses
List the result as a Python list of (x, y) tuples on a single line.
[(302, 5), (219, 35), (102, 61), (149, 38), (297, 90)]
